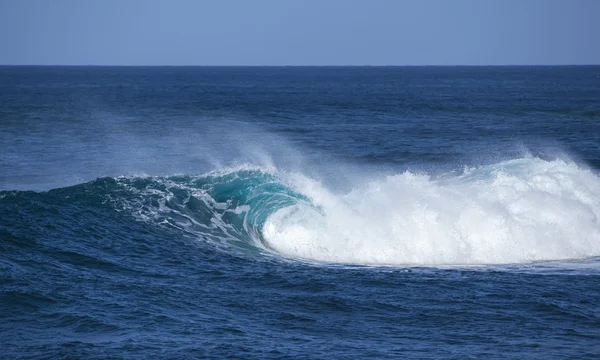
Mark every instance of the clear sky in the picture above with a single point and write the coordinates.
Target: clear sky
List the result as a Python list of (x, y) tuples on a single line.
[(299, 32)]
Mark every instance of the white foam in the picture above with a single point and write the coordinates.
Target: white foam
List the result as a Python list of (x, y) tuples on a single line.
[(512, 212)]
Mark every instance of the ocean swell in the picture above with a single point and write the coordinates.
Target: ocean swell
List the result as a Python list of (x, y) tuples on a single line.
[(515, 211)]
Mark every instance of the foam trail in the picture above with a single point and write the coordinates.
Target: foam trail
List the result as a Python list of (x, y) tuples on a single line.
[(515, 211)]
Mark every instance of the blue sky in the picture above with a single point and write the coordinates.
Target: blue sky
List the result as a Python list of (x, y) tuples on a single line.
[(299, 32)]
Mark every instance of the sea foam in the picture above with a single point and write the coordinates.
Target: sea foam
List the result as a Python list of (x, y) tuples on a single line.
[(515, 211)]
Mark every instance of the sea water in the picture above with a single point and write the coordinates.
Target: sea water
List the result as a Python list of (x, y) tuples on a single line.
[(300, 212)]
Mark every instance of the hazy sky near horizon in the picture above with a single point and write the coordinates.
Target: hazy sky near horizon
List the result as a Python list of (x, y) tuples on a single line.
[(299, 32)]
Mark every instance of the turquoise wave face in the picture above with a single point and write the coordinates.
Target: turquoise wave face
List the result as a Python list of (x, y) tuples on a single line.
[(228, 208)]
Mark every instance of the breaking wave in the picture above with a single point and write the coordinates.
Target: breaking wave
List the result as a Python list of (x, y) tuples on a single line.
[(516, 211)]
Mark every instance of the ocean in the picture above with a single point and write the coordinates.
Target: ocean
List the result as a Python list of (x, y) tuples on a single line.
[(300, 212)]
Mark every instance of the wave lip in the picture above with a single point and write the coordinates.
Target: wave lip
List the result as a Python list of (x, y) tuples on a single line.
[(516, 211)]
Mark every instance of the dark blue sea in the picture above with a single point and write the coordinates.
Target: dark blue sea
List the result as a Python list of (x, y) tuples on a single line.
[(300, 212)]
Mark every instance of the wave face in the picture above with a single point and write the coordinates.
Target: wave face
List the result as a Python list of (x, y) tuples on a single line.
[(227, 208), (515, 211)]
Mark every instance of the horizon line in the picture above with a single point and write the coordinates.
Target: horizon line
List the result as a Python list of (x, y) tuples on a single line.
[(294, 65)]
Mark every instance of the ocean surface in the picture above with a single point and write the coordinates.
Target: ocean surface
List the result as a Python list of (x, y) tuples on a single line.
[(300, 212)]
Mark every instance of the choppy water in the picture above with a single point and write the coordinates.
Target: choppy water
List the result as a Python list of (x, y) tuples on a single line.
[(401, 212)]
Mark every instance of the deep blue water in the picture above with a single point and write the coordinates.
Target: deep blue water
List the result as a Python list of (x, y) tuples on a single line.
[(300, 213)]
